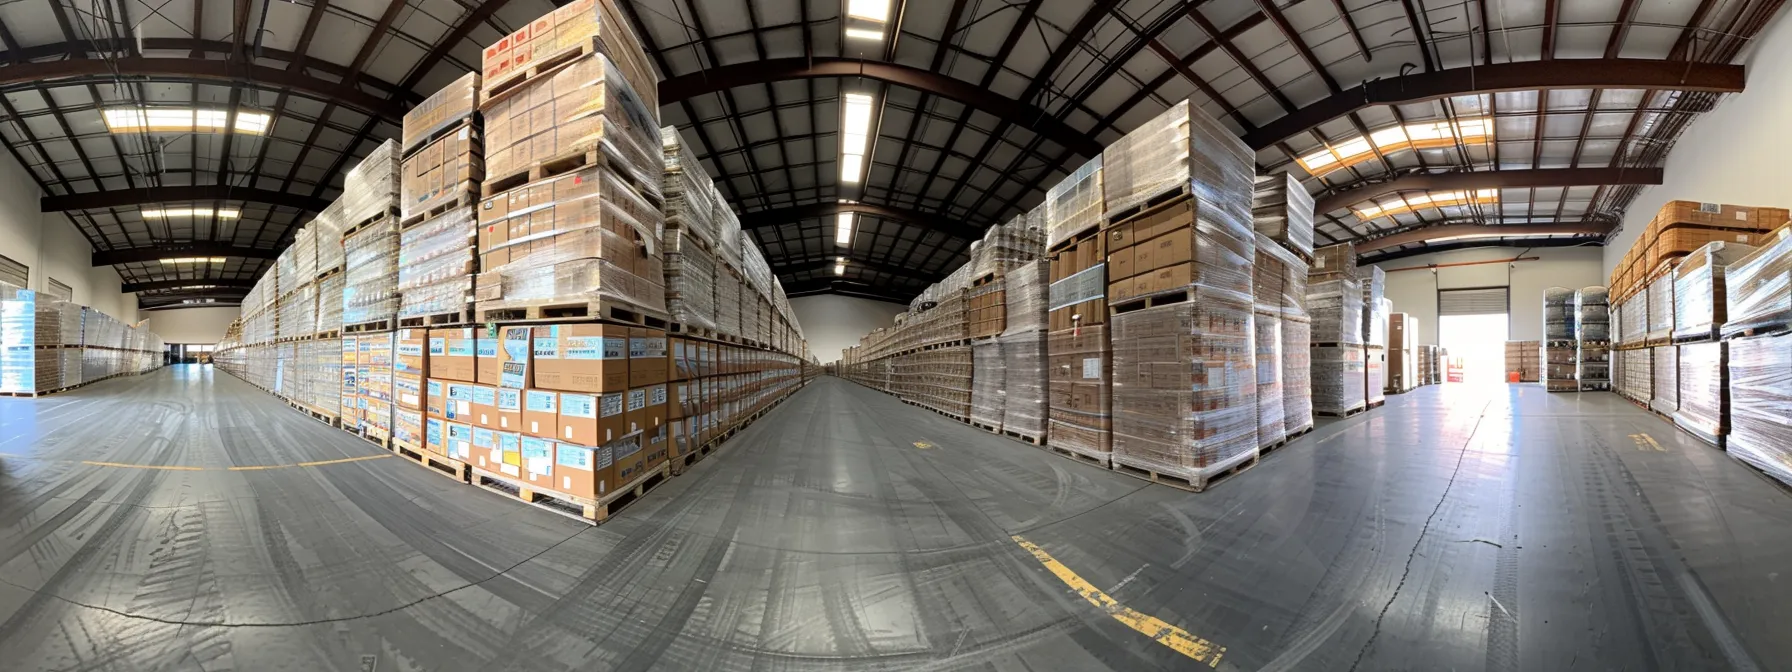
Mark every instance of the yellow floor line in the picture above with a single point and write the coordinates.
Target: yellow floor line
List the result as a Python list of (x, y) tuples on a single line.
[(263, 467), (1177, 639), (320, 463)]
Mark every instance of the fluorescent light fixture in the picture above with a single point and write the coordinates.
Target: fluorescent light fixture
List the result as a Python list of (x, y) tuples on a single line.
[(222, 213), (192, 301), (869, 10), (1443, 199), (840, 266), (1478, 236), (855, 134), (184, 120), (864, 34), (1422, 135), (193, 260), (843, 229)]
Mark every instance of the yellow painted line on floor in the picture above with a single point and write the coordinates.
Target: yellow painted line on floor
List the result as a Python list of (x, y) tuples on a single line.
[(263, 467), (1644, 442), (923, 445), (1177, 639), (320, 463)]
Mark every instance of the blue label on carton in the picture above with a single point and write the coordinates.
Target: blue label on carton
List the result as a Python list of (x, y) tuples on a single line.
[(509, 399), (573, 457), (547, 347), (485, 396), (539, 401), (438, 347), (484, 438), (487, 348), (578, 405)]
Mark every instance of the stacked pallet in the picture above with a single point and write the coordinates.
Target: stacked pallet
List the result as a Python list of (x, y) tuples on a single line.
[(369, 217), (1592, 339), (1524, 360), (51, 346), (1335, 301), (1681, 227), (1560, 353), (1023, 352), (1282, 214), (1759, 309), (692, 205), (439, 184), (1403, 354), (1376, 311)]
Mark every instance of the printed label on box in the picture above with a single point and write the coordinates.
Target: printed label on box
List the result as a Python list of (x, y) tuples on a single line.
[(578, 405), (573, 458), (410, 349), (540, 401), (437, 347), (595, 347), (509, 399), (637, 400), (487, 348), (538, 455), (548, 347), (485, 396), (1092, 367), (610, 405), (656, 395)]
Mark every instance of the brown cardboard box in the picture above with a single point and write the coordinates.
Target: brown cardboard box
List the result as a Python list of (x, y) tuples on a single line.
[(489, 366), (408, 391), (1120, 262), (646, 357), (435, 435), (1174, 247), (510, 409), (514, 345), (457, 439), (450, 354), (583, 471), (592, 419), (485, 406), (637, 418), (510, 446), (1176, 217), (1168, 278), (1119, 236), (630, 461), (407, 426), (537, 456), (485, 452), (410, 353), (586, 358), (675, 396), (541, 413), (657, 448)]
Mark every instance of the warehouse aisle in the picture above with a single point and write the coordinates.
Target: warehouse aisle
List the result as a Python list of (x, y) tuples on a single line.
[(182, 520)]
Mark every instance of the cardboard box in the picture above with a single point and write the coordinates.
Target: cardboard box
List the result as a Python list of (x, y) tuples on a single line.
[(458, 440), (541, 413), (409, 391), (407, 426), (636, 411), (1120, 262), (630, 461), (450, 354), (435, 435), (583, 471), (592, 419), (514, 346), (585, 358), (537, 456), (450, 400), (489, 368), (646, 357), (658, 448), (509, 409), (485, 406), (410, 353), (484, 448), (510, 446)]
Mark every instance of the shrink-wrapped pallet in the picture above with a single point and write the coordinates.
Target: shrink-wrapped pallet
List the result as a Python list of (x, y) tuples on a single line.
[(1592, 316), (1700, 299), (1267, 334), (1336, 310), (1635, 320), (1339, 377), (329, 303), (327, 226), (1074, 204), (1665, 391), (1558, 314), (1079, 391), (691, 197), (1661, 308), (1027, 296), (304, 255), (1704, 388), (727, 301), (443, 174), (1182, 148), (1183, 386), (1375, 374), (586, 106), (690, 280), (1333, 262), (728, 237), (370, 292), (435, 264), (1759, 286), (1761, 404), (371, 187), (596, 237), (580, 26), (298, 312), (1282, 210), (1297, 371), (988, 383), (1375, 315), (442, 110), (1024, 398)]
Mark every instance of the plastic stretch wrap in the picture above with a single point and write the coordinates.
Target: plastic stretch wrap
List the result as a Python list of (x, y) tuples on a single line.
[(1704, 388), (1336, 309), (1297, 374), (371, 291), (1282, 210), (1661, 308), (1375, 318), (1087, 284), (1184, 378), (1081, 403), (1294, 290), (1024, 398), (1338, 379), (1074, 204), (329, 303), (371, 187), (586, 106), (286, 270), (690, 284), (1637, 375), (1182, 148), (1375, 374), (728, 308), (298, 312), (1760, 285), (573, 280), (1761, 403), (446, 172), (1006, 247), (328, 229), (304, 255), (1665, 397), (435, 264), (1592, 314), (1561, 367), (441, 110), (1269, 276), (1333, 262), (754, 270), (1267, 332), (939, 379), (1635, 322), (691, 198), (1027, 287), (1700, 303), (580, 24), (988, 383), (1558, 314)]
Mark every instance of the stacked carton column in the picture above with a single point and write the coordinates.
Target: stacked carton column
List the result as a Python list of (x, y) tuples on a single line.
[(1701, 310), (439, 184), (1592, 340), (370, 241), (1524, 358), (691, 229), (1080, 419), (1561, 355), (988, 381), (48, 346), (1335, 300), (1758, 306), (1375, 335), (1270, 286), (1023, 352)]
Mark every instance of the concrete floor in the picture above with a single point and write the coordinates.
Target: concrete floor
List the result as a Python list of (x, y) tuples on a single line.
[(1500, 529)]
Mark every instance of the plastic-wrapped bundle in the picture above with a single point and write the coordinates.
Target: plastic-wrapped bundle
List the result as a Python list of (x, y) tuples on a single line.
[(753, 269), (328, 229), (585, 106), (1661, 308), (444, 173), (728, 309), (441, 110), (1297, 372), (728, 238), (576, 25), (1636, 318), (1182, 148), (1665, 397), (435, 264), (1759, 286), (573, 280), (1699, 299), (1024, 391), (1375, 314), (1078, 374), (1282, 210), (1761, 403), (691, 199), (298, 312), (1184, 381), (1294, 289), (1267, 332), (1005, 247), (1027, 287), (1339, 378), (1704, 388), (286, 270), (1592, 315), (1336, 307), (1333, 262), (690, 282), (988, 383), (1558, 314), (329, 303), (1375, 374), (371, 291), (304, 255), (1075, 204), (1269, 275), (371, 187)]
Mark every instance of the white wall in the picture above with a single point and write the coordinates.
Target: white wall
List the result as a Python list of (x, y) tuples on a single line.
[(832, 322), (50, 245), (190, 325), (1415, 292), (1734, 154)]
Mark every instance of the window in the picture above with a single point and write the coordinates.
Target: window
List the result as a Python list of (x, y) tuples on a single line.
[(58, 291), (14, 273)]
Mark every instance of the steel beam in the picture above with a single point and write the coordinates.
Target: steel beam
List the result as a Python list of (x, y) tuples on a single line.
[(227, 72), (178, 194), (1019, 113), (159, 285), (138, 255), (1379, 257), (1590, 73), (768, 218), (1430, 233), (826, 265), (1490, 179), (842, 287)]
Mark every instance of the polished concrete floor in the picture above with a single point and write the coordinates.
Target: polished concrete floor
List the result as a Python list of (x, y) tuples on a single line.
[(1455, 529)]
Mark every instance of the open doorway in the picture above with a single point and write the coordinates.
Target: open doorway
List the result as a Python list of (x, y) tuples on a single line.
[(1473, 326)]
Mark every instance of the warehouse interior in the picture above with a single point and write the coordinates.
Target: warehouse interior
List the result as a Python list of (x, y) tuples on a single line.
[(895, 335)]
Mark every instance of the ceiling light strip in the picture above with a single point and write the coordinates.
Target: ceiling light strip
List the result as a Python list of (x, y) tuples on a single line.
[(1405, 204), (855, 135), (184, 120), (1423, 135)]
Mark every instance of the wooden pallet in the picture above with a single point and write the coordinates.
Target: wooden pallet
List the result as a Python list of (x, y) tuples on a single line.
[(1376, 404), (572, 160), (325, 275), (1714, 440), (683, 463), (466, 195), (1103, 461), (593, 511), (695, 331), (505, 86), (458, 318), (570, 311), (376, 436), (365, 224), (1300, 433), (1272, 446), (1197, 484), (1076, 237), (1024, 438), (317, 414), (325, 335), (1766, 327), (445, 466), (368, 327), (1138, 303), (1150, 206), (1341, 414), (993, 429)]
